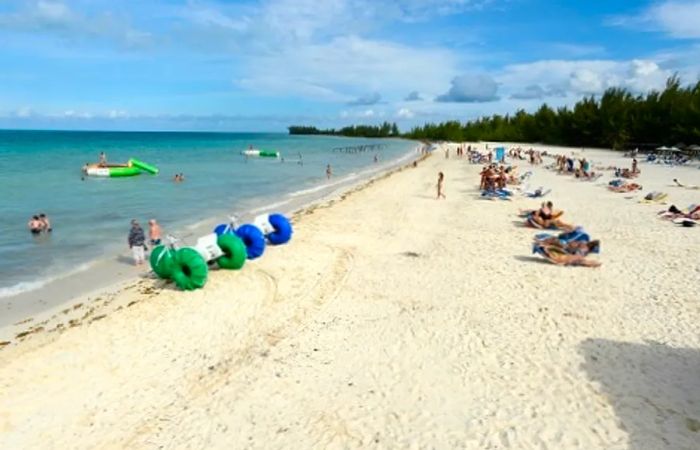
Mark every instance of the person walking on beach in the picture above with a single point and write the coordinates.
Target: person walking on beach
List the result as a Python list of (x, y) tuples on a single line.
[(137, 241), (441, 186), (154, 232), (329, 172)]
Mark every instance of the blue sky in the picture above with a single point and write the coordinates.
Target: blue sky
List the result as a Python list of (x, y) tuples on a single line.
[(262, 65)]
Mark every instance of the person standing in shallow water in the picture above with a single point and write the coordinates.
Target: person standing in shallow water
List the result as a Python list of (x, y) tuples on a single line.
[(154, 232), (329, 171), (441, 186), (137, 241)]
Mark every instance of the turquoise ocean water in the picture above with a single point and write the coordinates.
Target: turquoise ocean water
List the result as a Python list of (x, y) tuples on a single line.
[(40, 172)]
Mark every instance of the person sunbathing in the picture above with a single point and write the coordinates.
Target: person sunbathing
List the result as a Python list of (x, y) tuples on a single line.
[(548, 217), (627, 187), (572, 247), (558, 256), (672, 213), (687, 186)]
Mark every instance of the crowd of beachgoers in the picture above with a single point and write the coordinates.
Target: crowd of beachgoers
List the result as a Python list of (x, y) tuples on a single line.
[(500, 179)]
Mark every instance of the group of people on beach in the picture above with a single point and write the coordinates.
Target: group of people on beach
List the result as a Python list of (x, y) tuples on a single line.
[(494, 176), (39, 223), (137, 239)]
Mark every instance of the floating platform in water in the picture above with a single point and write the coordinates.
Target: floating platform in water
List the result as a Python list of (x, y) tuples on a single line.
[(132, 168), (261, 153)]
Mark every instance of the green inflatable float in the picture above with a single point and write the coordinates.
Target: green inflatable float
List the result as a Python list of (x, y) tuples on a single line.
[(189, 270), (188, 267)]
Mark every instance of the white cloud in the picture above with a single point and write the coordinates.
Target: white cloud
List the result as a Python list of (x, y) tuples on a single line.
[(471, 88), (24, 112), (535, 91), (576, 78), (346, 67), (117, 114), (57, 18), (678, 19), (413, 96), (369, 99), (405, 113)]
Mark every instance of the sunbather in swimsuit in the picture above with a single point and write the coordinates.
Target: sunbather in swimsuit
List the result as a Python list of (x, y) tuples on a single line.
[(557, 256)]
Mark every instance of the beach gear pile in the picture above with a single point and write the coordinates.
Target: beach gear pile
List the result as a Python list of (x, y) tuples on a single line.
[(228, 247)]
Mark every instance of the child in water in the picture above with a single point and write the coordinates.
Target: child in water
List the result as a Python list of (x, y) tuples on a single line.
[(441, 185)]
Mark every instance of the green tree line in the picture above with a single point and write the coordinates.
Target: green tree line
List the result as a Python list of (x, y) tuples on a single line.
[(617, 119), (386, 129)]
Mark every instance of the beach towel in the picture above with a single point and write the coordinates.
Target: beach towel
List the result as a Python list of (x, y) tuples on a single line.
[(654, 197), (493, 194)]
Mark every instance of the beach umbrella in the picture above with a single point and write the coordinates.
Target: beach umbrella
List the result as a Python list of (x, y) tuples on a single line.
[(663, 148), (674, 149)]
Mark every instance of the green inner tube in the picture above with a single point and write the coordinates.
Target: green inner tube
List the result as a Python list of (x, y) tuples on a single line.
[(234, 252), (189, 269), (161, 260)]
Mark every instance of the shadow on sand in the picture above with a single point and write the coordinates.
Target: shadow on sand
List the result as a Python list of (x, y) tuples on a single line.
[(532, 259), (654, 388)]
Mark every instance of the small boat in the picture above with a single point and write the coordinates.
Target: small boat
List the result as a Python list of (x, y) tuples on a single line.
[(132, 168), (261, 153)]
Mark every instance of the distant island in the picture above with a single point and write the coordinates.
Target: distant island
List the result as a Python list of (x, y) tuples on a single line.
[(618, 119)]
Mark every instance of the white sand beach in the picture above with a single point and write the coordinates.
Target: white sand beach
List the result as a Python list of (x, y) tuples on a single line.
[(392, 320)]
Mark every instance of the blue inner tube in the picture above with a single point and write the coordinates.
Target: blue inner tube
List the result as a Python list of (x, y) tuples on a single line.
[(223, 228), (253, 239), (282, 227)]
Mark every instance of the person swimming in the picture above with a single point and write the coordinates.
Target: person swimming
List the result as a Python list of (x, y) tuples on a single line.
[(45, 223), (35, 225)]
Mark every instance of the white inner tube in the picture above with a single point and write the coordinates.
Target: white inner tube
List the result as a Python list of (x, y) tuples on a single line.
[(97, 171)]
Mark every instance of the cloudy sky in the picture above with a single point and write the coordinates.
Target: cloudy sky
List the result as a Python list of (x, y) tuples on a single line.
[(262, 65)]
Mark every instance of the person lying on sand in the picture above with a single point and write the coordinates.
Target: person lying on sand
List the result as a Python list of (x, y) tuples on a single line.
[(687, 186), (582, 248), (555, 255), (627, 187), (672, 213), (537, 193), (625, 173)]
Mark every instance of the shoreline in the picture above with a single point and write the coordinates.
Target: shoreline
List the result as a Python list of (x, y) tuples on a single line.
[(28, 312)]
